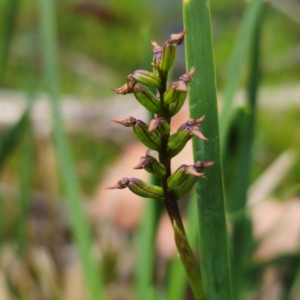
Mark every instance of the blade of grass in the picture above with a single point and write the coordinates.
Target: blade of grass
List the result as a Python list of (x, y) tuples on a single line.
[(145, 254), (237, 61), (8, 26), (25, 183), (238, 58), (241, 233), (79, 222), (215, 265), (11, 139)]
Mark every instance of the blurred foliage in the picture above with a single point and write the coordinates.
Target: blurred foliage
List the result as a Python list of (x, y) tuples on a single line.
[(98, 43), (108, 34)]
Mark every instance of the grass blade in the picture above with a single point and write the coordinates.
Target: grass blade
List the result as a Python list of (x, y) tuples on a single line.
[(79, 221), (8, 25), (237, 61), (215, 267), (11, 139), (175, 291), (145, 255), (26, 183)]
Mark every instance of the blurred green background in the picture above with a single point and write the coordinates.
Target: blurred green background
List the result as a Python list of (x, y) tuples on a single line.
[(99, 43)]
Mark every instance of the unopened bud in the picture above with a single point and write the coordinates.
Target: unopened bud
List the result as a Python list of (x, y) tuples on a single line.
[(123, 90), (183, 179), (177, 38), (149, 139), (176, 92), (147, 99), (185, 132), (201, 165), (159, 124), (146, 78), (139, 187), (157, 50), (151, 165), (152, 153), (167, 57), (128, 122)]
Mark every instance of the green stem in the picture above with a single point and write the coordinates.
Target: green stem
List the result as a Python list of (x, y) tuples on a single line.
[(170, 201), (184, 249)]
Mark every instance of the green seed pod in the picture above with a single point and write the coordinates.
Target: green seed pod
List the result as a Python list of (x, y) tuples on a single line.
[(177, 177), (147, 99), (186, 131), (146, 78), (174, 108), (152, 166), (167, 58), (139, 187), (159, 124), (175, 96), (183, 180), (149, 139), (176, 92), (146, 190), (178, 140)]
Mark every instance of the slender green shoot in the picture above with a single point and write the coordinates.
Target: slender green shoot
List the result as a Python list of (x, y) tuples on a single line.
[(177, 282), (80, 226), (241, 235), (214, 250), (237, 61), (8, 26)]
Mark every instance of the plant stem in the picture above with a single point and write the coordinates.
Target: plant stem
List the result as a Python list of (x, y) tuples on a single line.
[(170, 201)]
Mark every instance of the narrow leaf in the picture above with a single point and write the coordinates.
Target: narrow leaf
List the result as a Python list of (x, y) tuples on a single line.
[(214, 250), (237, 61), (80, 226)]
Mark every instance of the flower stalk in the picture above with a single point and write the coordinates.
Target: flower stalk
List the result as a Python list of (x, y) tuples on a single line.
[(163, 146)]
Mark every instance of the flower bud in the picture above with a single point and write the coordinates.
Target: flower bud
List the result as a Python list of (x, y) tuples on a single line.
[(146, 78), (149, 139), (176, 92), (185, 132), (167, 57), (139, 187), (123, 90), (151, 165), (152, 153), (147, 99), (157, 50), (159, 124), (176, 38), (183, 179)]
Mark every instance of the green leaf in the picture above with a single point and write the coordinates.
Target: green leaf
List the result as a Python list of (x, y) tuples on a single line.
[(237, 61), (11, 138), (8, 25), (79, 222), (241, 228), (215, 265)]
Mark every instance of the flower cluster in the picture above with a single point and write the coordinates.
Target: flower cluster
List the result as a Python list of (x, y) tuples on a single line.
[(162, 146)]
